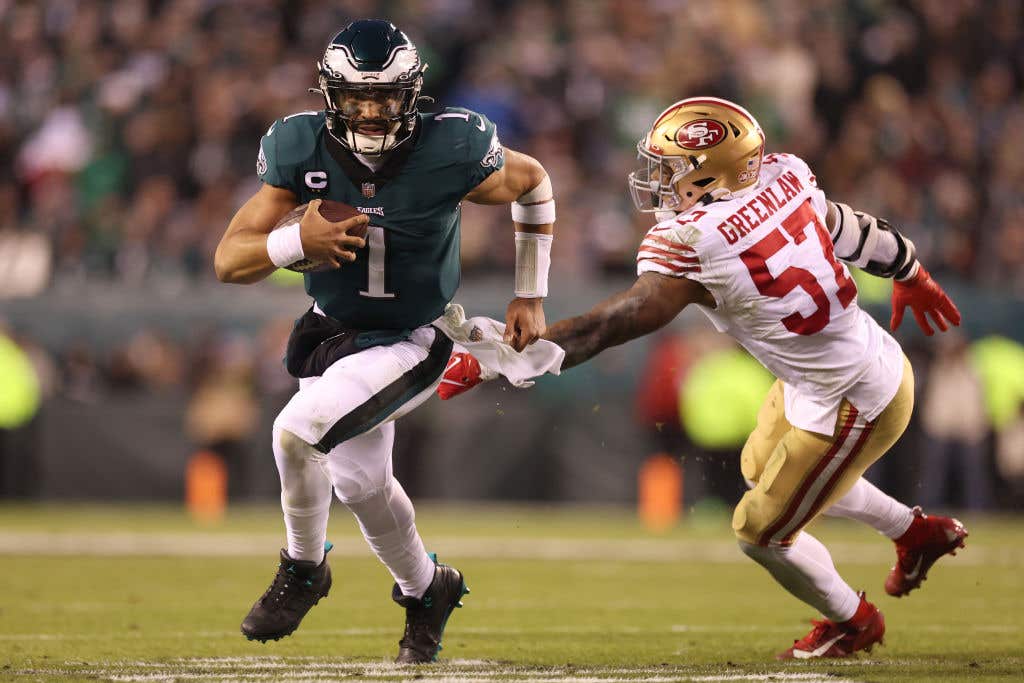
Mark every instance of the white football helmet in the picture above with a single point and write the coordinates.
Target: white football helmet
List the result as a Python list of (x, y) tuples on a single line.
[(370, 78)]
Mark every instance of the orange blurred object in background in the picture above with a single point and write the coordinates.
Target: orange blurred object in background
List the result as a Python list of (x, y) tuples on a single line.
[(206, 487), (660, 492)]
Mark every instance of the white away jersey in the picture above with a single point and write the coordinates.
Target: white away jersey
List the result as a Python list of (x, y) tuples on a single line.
[(766, 257)]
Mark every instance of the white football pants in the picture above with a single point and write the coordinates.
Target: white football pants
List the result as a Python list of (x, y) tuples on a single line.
[(337, 433)]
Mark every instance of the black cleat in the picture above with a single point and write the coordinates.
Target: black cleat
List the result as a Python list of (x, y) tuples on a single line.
[(295, 589), (426, 617)]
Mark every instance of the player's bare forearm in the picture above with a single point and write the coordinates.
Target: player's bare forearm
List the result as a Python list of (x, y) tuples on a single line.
[(241, 256), (523, 183), (607, 324), (649, 304)]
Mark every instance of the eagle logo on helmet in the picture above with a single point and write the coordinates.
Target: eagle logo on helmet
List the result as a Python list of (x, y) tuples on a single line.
[(370, 59), (700, 134)]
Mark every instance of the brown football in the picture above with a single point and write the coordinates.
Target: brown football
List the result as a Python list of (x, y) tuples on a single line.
[(332, 211)]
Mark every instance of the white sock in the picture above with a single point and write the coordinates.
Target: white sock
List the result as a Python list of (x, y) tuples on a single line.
[(388, 523), (806, 570), (866, 503), (305, 495), (360, 470)]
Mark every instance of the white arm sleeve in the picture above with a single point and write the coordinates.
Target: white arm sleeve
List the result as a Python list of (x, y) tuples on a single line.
[(873, 245)]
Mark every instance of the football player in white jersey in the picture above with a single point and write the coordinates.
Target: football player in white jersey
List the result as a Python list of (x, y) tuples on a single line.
[(750, 240)]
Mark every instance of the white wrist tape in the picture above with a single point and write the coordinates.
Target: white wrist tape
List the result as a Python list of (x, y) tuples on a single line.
[(537, 206), (533, 261), (284, 246)]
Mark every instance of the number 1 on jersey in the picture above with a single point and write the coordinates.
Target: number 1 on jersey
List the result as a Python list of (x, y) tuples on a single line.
[(375, 264)]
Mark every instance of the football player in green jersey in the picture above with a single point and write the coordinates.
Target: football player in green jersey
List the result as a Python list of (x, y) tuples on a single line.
[(366, 352)]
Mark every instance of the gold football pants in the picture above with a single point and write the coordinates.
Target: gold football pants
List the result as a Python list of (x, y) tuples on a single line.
[(797, 473)]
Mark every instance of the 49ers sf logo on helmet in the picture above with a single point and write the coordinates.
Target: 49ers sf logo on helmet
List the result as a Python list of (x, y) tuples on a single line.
[(700, 134)]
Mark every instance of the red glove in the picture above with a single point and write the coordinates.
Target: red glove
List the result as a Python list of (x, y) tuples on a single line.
[(923, 295), (461, 375)]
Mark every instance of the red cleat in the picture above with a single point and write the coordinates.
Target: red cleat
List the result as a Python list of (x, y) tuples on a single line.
[(831, 639), (461, 375), (928, 538)]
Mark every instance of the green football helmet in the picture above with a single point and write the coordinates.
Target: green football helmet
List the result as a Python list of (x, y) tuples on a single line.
[(370, 78)]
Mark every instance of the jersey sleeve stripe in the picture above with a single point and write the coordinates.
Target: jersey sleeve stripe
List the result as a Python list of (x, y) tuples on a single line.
[(676, 246), (647, 266), (658, 246), (671, 255), (674, 267), (664, 227)]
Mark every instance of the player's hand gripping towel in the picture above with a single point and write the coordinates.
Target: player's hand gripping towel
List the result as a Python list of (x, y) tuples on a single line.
[(482, 337)]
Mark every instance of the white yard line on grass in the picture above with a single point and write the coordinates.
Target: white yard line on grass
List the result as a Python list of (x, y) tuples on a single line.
[(623, 550), (310, 669)]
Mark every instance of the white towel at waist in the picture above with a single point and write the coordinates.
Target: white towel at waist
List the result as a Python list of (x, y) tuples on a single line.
[(483, 337)]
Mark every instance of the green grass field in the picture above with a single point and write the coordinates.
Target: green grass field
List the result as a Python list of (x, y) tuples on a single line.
[(559, 594)]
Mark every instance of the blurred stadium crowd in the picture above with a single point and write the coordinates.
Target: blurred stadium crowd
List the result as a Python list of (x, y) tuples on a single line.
[(132, 126), (129, 129)]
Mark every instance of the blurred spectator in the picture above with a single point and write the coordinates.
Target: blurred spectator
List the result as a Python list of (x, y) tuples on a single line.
[(955, 425), (132, 127), (719, 402), (25, 254), (660, 383), (149, 361), (1010, 455), (222, 412), (82, 378), (20, 394)]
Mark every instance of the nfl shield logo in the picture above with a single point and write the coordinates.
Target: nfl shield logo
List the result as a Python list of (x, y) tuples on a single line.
[(369, 189)]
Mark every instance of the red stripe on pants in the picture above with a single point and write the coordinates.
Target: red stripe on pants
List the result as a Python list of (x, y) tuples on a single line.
[(831, 482), (809, 480)]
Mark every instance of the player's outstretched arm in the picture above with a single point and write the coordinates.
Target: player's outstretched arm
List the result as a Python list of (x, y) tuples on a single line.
[(246, 253), (649, 304), (523, 183), (877, 247)]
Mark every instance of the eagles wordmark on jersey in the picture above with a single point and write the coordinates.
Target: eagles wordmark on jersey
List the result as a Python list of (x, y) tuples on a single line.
[(374, 344), (409, 269)]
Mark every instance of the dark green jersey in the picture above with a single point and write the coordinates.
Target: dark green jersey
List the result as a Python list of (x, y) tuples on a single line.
[(409, 269)]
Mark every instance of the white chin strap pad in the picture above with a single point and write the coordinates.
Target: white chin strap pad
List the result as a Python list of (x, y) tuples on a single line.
[(371, 144)]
